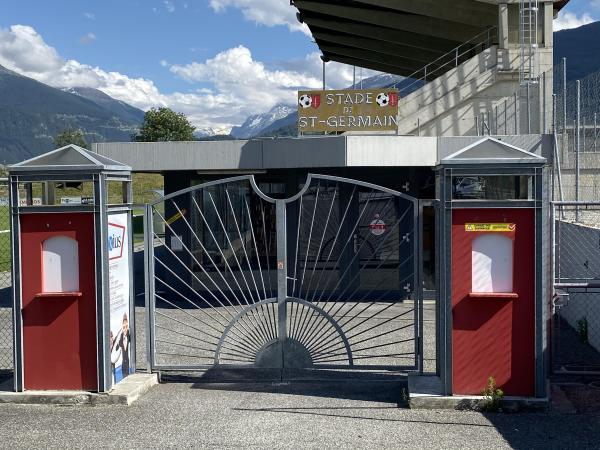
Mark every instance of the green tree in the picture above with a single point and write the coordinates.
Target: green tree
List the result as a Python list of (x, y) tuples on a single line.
[(164, 124), (70, 136)]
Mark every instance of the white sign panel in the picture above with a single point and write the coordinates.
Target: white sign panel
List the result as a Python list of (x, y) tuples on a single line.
[(70, 200), (36, 201), (118, 274)]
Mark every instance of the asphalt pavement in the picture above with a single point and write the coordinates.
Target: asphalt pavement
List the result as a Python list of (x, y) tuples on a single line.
[(279, 415)]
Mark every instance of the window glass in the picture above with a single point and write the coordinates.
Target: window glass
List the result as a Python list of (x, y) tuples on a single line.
[(492, 263)]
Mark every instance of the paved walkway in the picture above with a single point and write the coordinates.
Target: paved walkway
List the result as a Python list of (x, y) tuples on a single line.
[(334, 415)]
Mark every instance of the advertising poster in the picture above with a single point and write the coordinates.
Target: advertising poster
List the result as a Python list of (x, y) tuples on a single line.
[(118, 274)]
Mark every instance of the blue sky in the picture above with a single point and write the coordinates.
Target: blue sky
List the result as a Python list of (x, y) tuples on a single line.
[(216, 60)]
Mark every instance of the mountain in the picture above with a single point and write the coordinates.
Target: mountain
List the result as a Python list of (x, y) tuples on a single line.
[(117, 107), (256, 123), (581, 47), (380, 80), (32, 113)]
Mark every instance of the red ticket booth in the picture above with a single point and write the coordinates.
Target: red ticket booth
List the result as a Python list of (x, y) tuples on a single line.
[(492, 305), (62, 210)]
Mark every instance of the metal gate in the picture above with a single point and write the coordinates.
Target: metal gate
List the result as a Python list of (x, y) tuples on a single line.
[(326, 279)]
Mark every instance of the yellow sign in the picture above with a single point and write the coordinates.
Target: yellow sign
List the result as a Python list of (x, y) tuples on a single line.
[(176, 217), (501, 227), (348, 110)]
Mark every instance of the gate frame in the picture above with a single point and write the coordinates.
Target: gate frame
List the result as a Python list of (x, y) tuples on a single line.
[(282, 272)]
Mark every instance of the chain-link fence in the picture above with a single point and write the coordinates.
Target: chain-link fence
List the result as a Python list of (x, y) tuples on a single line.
[(576, 189), (576, 303), (577, 125), (6, 334)]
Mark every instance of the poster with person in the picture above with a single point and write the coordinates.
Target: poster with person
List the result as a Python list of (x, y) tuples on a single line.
[(119, 293)]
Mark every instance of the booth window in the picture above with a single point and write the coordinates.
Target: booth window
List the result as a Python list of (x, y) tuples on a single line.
[(60, 264), (494, 187), (492, 264)]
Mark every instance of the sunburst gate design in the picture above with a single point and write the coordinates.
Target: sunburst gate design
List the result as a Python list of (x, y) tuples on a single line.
[(239, 279)]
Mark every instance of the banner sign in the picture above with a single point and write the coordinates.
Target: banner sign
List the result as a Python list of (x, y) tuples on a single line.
[(118, 274), (348, 110), (501, 227)]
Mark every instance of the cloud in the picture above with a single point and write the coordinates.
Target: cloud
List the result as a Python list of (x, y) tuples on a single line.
[(89, 15), (87, 38), (244, 84), (224, 89), (337, 75), (169, 6), (264, 12), (568, 20)]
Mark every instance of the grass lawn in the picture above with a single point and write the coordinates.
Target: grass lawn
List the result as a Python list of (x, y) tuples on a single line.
[(143, 185)]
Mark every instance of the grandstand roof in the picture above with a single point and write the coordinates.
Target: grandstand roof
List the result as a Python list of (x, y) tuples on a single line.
[(396, 36)]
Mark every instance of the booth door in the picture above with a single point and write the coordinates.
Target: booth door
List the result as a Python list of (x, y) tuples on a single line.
[(59, 301), (493, 300)]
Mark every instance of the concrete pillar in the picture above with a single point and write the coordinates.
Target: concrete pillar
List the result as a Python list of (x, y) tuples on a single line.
[(503, 60), (548, 24)]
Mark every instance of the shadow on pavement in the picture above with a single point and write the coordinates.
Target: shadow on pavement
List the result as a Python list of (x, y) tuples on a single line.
[(369, 387)]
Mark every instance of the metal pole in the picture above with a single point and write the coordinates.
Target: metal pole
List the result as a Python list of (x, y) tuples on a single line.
[(361, 77), (528, 110), (477, 124), (505, 116), (564, 94), (544, 124), (280, 226), (577, 142), (595, 130), (353, 77), (496, 120), (323, 75), (583, 147), (516, 113)]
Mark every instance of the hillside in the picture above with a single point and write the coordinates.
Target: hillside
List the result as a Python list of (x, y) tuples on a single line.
[(32, 113), (113, 105), (581, 47)]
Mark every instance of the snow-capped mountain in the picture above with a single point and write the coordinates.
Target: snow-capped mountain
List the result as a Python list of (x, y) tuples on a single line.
[(381, 80), (256, 123), (210, 131)]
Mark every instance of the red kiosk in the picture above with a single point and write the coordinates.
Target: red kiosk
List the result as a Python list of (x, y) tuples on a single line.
[(72, 289), (492, 309)]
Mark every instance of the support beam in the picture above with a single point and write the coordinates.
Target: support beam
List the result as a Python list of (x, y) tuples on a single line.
[(429, 26), (386, 68), (395, 50), (365, 55), (383, 34), (460, 11)]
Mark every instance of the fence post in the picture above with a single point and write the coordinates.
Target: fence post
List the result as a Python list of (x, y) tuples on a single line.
[(577, 148), (595, 129), (515, 101), (564, 94)]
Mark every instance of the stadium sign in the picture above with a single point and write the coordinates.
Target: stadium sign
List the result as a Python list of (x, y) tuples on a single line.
[(348, 110)]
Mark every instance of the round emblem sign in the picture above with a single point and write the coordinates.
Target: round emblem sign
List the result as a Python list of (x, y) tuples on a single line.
[(377, 226)]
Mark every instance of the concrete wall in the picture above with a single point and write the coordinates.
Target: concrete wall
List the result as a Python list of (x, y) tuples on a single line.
[(486, 89)]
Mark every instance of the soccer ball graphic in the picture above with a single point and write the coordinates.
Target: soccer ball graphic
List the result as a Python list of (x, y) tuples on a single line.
[(305, 101), (383, 99)]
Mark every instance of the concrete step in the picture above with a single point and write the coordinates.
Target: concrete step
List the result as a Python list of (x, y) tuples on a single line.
[(124, 393)]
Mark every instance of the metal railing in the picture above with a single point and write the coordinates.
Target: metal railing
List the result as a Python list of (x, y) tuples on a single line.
[(448, 61)]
